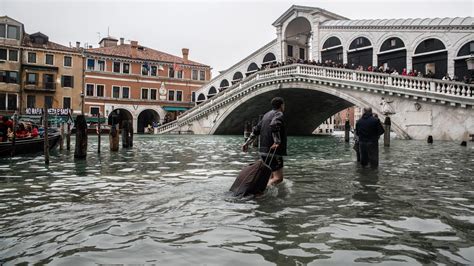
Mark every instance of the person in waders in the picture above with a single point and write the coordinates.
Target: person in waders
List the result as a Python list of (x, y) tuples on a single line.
[(273, 139)]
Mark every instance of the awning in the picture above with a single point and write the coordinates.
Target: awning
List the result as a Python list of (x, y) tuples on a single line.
[(174, 108), (95, 120)]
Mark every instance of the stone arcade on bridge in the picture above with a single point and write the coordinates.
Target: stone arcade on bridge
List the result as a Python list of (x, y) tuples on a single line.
[(439, 45)]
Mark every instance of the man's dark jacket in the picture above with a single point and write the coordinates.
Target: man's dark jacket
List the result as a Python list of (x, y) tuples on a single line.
[(369, 128), (271, 130)]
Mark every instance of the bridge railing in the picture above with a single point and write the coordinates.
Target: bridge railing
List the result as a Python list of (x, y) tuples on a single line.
[(407, 83)]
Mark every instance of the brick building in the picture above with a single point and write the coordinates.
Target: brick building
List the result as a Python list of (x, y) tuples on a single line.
[(138, 83)]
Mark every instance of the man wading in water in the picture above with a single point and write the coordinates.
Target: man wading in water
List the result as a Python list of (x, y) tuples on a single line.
[(272, 139)]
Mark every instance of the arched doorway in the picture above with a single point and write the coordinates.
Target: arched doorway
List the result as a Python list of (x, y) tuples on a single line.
[(237, 77), (393, 54), (332, 51), (460, 64), (268, 59), (298, 39), (201, 98), (212, 92), (117, 116), (431, 58), (251, 69), (224, 85), (145, 118), (360, 53)]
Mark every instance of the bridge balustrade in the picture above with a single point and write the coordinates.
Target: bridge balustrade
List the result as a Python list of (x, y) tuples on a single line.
[(406, 83)]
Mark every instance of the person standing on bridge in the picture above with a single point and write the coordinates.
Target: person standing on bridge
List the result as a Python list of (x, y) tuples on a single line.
[(272, 132), (369, 129)]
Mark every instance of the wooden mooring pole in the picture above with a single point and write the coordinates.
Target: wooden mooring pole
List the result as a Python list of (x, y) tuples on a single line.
[(80, 151), (99, 129), (386, 137), (347, 129), (45, 135), (61, 138)]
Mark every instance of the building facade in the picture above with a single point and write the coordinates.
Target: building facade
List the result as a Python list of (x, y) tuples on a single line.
[(51, 75), (11, 35), (128, 81)]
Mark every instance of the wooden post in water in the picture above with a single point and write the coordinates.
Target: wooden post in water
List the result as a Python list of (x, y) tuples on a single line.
[(247, 130), (114, 137), (99, 129), (130, 133), (68, 136), (386, 137), (46, 139), (125, 134), (14, 135), (61, 138), (347, 129), (80, 151)]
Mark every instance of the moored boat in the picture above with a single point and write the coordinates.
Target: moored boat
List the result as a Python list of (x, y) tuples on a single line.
[(28, 145)]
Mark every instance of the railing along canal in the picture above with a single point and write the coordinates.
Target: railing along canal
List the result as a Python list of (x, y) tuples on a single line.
[(406, 83)]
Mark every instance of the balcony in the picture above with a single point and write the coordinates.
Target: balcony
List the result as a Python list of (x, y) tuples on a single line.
[(41, 87)]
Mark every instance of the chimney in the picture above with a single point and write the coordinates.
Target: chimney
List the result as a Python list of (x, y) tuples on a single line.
[(78, 45), (122, 41), (185, 53), (134, 44)]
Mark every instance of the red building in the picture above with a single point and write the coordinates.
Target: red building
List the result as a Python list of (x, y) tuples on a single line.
[(134, 82)]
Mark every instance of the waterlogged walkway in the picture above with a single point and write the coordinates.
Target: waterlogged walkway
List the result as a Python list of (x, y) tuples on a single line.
[(164, 202)]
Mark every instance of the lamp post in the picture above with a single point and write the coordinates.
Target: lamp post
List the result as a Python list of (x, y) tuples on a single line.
[(82, 103)]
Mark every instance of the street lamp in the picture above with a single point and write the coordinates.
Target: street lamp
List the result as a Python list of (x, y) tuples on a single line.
[(470, 62)]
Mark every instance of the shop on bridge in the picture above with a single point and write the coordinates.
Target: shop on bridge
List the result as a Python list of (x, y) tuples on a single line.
[(431, 58), (460, 64), (332, 51), (360, 53)]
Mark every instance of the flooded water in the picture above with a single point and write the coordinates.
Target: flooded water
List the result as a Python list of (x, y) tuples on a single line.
[(165, 202)]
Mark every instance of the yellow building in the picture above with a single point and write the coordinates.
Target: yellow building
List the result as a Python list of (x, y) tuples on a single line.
[(51, 74), (11, 34)]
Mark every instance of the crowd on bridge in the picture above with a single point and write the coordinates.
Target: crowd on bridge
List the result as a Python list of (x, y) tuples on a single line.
[(379, 69)]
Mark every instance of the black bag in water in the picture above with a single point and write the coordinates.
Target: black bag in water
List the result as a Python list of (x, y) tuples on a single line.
[(252, 179)]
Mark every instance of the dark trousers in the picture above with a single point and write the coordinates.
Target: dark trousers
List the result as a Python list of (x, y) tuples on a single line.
[(369, 153)]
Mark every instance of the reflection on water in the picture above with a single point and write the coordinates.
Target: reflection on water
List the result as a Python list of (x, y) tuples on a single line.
[(165, 202)]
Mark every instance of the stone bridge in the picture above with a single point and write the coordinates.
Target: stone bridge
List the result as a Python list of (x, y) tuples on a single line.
[(443, 109)]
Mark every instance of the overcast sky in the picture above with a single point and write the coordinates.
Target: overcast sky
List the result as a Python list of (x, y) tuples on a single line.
[(218, 33)]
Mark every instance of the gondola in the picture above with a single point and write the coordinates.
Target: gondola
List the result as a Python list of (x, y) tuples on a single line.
[(28, 145)]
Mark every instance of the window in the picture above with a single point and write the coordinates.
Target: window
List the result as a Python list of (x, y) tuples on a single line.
[(67, 61), (125, 92), (193, 96), (290, 50), (99, 90), (393, 42), (359, 41), (3, 54), (90, 64), (49, 60), (13, 55), (116, 67), (101, 65), (145, 70), (30, 101), (171, 72), (32, 79), (195, 74), (67, 103), (48, 81), (12, 101), (13, 32), (170, 95), (179, 74), (95, 110), (179, 96), (126, 68), (31, 57), (152, 94), (302, 57), (116, 92), (89, 89), (154, 71), (67, 81), (48, 101), (202, 75), (144, 94), (12, 77), (3, 28), (3, 100)]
